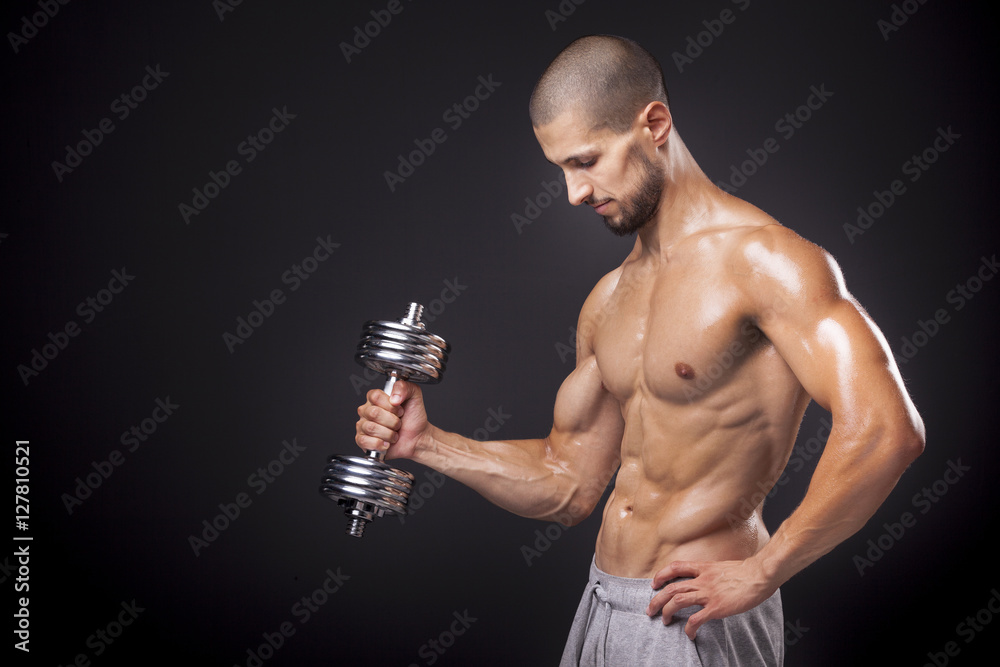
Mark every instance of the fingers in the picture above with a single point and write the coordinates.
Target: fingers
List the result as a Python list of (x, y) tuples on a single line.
[(373, 435), (695, 622), (380, 399), (381, 417), (673, 598), (379, 421), (682, 600), (721, 588), (678, 568)]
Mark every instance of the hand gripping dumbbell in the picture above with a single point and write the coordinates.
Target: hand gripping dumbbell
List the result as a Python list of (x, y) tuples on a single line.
[(364, 485)]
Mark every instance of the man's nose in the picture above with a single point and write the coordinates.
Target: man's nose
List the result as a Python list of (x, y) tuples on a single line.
[(578, 189)]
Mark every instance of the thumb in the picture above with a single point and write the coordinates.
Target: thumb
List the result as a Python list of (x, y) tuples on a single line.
[(402, 391)]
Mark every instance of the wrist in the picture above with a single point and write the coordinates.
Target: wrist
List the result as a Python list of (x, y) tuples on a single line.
[(769, 564), (426, 443)]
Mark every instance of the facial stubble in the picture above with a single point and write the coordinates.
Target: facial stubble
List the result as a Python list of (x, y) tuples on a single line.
[(638, 209)]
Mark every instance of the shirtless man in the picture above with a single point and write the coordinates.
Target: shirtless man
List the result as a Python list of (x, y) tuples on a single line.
[(696, 359)]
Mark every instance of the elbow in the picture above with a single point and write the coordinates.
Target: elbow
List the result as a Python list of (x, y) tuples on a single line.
[(915, 444), (570, 498), (910, 441), (573, 507), (575, 513), (569, 511)]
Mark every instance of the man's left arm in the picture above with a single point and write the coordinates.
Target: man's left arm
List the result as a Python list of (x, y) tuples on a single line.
[(797, 296)]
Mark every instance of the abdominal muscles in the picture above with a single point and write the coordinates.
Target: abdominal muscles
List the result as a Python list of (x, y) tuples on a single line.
[(689, 486)]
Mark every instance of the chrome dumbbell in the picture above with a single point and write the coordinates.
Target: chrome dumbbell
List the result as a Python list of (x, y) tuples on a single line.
[(365, 485)]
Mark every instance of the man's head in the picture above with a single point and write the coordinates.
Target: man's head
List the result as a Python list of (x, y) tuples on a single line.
[(600, 112), (609, 79)]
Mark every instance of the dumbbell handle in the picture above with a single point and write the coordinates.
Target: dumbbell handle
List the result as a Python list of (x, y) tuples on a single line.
[(390, 382)]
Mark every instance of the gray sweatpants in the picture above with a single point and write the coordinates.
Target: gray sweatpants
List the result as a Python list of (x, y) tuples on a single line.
[(611, 628)]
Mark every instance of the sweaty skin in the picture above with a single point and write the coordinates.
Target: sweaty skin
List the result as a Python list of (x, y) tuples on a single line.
[(696, 359)]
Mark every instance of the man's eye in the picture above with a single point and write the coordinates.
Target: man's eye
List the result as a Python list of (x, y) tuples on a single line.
[(584, 165)]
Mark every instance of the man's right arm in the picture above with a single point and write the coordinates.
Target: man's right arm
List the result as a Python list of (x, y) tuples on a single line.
[(559, 478)]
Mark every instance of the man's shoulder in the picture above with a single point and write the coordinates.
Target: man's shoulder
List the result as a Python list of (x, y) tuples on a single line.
[(775, 266), (601, 293), (596, 307), (762, 247)]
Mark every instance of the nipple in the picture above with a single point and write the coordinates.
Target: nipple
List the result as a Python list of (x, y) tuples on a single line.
[(684, 371)]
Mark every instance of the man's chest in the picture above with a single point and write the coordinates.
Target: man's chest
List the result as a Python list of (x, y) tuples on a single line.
[(678, 334)]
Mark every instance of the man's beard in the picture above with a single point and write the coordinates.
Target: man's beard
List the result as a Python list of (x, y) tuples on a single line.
[(640, 208)]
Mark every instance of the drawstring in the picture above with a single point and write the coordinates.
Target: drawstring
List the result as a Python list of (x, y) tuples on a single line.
[(605, 607)]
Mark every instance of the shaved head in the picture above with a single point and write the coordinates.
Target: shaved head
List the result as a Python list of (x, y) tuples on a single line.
[(609, 79)]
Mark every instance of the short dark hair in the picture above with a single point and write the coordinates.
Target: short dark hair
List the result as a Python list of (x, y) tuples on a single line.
[(607, 77)]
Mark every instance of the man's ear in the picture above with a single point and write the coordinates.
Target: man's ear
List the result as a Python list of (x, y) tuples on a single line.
[(656, 119)]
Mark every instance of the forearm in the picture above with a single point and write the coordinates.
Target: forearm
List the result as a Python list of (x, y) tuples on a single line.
[(847, 489), (559, 478), (520, 476)]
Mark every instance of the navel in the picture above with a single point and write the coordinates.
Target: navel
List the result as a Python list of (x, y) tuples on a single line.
[(684, 371)]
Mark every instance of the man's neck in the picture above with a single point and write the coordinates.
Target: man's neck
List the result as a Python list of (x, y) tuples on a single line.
[(686, 204)]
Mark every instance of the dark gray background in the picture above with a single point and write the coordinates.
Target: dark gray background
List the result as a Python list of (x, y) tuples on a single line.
[(323, 176)]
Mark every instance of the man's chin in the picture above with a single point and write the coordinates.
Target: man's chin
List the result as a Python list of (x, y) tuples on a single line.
[(621, 228)]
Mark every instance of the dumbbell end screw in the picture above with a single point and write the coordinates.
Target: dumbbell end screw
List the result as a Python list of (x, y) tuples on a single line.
[(356, 528)]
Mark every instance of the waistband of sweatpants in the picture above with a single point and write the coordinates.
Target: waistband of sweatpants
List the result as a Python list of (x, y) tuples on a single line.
[(622, 593)]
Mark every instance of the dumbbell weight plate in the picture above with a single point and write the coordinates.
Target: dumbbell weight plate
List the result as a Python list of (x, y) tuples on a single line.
[(411, 352), (350, 478)]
